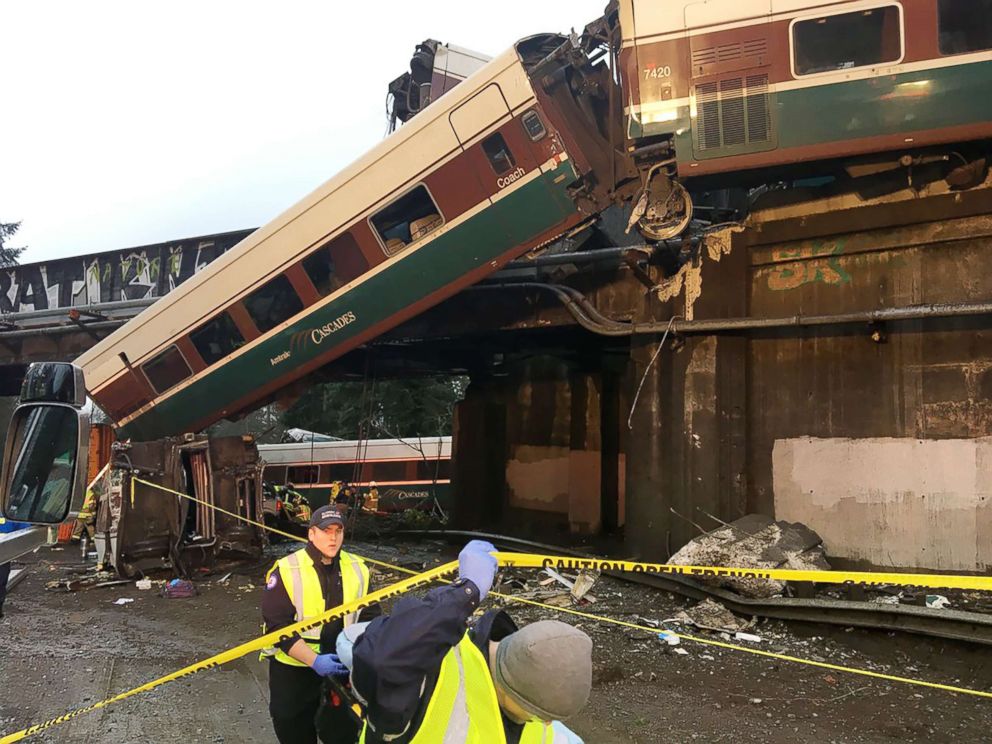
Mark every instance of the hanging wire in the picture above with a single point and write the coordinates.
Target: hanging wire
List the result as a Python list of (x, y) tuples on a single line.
[(630, 416)]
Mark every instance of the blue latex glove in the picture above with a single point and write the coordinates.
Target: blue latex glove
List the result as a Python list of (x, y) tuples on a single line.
[(477, 565), (329, 665)]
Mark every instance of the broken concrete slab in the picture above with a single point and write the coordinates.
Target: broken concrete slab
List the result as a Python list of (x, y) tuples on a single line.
[(755, 541), (711, 615)]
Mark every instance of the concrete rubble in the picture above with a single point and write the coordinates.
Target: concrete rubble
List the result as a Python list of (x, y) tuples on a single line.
[(755, 541)]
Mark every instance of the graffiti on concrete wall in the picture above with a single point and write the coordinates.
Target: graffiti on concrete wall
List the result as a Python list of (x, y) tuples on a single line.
[(818, 261), (129, 274)]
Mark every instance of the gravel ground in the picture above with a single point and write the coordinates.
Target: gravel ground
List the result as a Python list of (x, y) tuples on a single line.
[(60, 651)]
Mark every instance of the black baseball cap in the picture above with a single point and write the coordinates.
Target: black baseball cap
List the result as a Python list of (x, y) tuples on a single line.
[(325, 516)]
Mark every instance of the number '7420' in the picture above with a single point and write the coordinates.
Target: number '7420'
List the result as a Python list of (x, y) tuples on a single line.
[(661, 71)]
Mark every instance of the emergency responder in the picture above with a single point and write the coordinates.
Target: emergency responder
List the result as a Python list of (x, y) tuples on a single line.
[(303, 585), (372, 498), (411, 667), (294, 504), (335, 492), (86, 519)]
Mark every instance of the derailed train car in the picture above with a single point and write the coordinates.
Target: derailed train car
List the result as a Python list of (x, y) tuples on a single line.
[(720, 92), (477, 178), (153, 528)]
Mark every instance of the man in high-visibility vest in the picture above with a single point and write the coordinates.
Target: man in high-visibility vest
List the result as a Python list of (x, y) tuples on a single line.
[(86, 519), (303, 585), (424, 680)]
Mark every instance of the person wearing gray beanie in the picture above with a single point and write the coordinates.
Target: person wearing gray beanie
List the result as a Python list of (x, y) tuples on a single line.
[(424, 680)]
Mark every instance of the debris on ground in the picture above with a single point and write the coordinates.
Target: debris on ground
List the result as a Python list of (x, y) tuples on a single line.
[(937, 601), (179, 589), (123, 601), (583, 583), (143, 584), (711, 615), (750, 637), (755, 541), (80, 584)]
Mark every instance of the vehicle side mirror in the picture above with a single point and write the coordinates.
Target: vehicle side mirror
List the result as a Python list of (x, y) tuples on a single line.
[(44, 462)]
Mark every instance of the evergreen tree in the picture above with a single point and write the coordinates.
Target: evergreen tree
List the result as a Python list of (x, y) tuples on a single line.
[(381, 409), (9, 256)]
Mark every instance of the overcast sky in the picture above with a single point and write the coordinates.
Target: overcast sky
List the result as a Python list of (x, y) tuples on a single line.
[(129, 123)]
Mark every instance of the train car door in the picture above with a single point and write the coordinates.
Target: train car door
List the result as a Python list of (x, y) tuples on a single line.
[(730, 48), (477, 114)]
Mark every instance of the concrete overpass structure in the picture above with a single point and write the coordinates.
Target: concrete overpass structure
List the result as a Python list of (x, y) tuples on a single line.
[(829, 361)]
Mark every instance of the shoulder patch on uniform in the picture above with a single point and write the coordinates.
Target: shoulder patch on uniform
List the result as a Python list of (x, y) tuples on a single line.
[(273, 580)]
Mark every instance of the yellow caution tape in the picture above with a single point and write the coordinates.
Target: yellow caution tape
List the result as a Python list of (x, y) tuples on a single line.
[(265, 641), (861, 578)]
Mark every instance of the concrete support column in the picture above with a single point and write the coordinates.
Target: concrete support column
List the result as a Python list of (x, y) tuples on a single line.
[(648, 522), (585, 458), (686, 448), (479, 459)]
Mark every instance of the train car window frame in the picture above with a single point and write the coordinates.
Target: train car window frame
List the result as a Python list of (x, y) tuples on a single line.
[(947, 7), (391, 248), (499, 154), (343, 256), (844, 70), (211, 358), (532, 115), (169, 383), (265, 323)]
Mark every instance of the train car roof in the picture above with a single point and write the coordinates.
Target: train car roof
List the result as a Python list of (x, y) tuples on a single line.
[(303, 453), (357, 191)]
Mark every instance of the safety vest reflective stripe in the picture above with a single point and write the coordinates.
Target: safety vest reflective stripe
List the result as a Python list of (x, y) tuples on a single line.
[(359, 585), (298, 594), (299, 577)]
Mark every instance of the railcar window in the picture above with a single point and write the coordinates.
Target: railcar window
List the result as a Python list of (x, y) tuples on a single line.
[(343, 472), (275, 474), (533, 125), (167, 369), (302, 475), (335, 264), (389, 471), (320, 268), (964, 25), (847, 40), (408, 219), (432, 468), (500, 157), (217, 338), (272, 303)]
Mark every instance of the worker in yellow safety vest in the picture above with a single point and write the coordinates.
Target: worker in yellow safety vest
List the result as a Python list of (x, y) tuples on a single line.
[(86, 519), (336, 487), (424, 680), (301, 586)]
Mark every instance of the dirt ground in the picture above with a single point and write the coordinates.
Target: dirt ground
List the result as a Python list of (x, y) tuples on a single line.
[(60, 651)]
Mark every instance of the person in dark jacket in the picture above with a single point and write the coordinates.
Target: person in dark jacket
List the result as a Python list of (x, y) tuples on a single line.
[(518, 680)]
